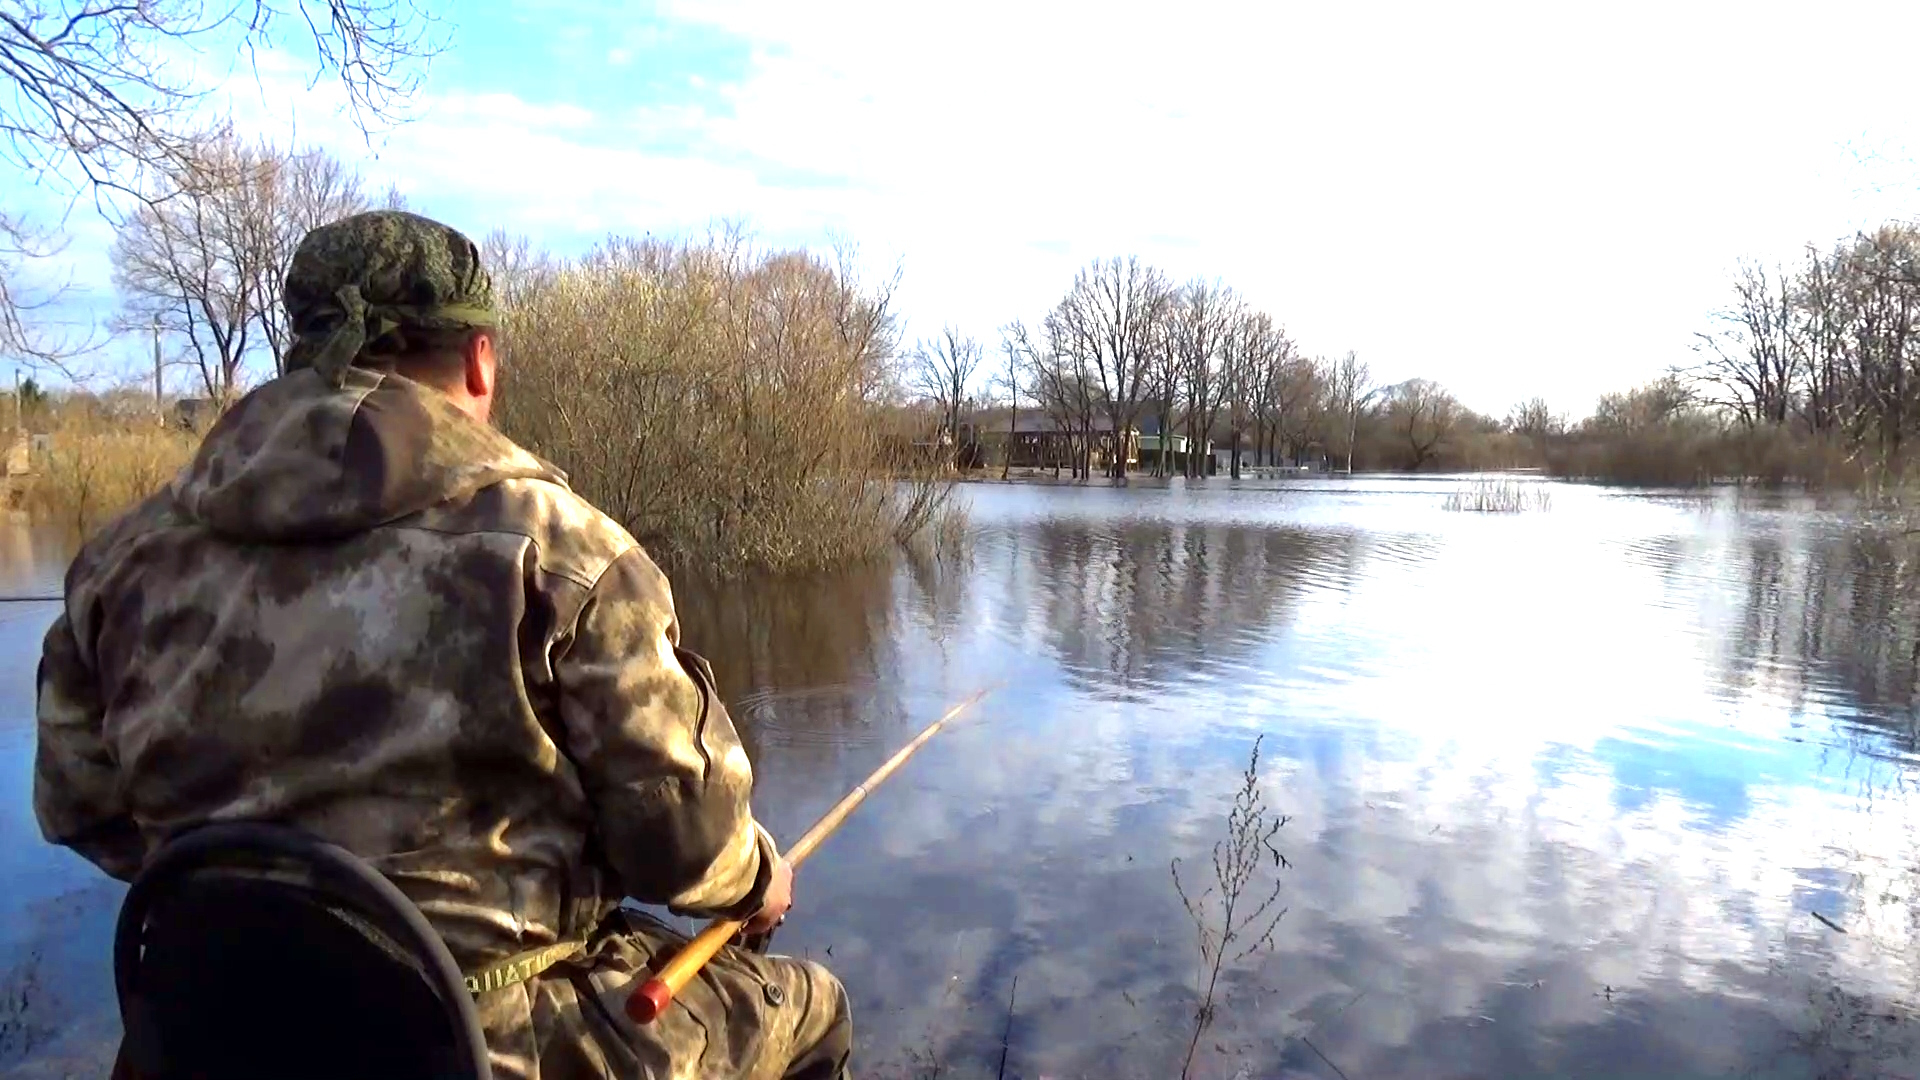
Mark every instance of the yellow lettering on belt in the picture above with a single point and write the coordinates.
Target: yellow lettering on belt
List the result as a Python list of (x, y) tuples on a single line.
[(520, 968)]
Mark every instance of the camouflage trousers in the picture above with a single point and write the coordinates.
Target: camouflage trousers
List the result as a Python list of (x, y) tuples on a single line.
[(746, 1017)]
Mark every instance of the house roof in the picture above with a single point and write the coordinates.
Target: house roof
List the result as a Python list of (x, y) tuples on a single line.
[(1039, 423)]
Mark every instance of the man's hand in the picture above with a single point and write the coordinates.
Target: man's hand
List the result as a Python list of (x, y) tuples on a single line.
[(779, 899)]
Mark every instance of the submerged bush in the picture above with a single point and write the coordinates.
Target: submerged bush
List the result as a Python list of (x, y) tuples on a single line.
[(720, 402)]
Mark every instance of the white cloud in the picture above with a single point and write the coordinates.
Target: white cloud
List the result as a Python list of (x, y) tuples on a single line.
[(1509, 199), (1502, 197)]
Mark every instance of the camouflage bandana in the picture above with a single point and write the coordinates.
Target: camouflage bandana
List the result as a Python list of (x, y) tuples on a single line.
[(365, 280)]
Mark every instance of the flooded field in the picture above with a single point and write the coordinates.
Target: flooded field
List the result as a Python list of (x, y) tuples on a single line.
[(1569, 792)]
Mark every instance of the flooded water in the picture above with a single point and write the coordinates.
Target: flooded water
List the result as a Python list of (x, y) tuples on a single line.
[(1565, 789)]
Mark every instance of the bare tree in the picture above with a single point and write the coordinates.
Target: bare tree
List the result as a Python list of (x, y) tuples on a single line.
[(1293, 392), (97, 98), (1202, 314), (942, 370), (1820, 335), (1010, 378), (1642, 407), (1882, 296), (1535, 419), (1253, 350), (516, 266), (100, 87), (713, 398), (1348, 383), (1060, 384), (294, 193), (26, 330), (1423, 414), (1164, 388), (1105, 323), (1750, 364), (186, 262), (202, 262), (865, 322)]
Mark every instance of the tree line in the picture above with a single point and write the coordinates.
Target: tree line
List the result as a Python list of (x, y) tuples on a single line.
[(1811, 374), (1195, 360), (1127, 345)]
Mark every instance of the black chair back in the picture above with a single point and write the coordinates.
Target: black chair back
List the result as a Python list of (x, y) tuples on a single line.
[(256, 951)]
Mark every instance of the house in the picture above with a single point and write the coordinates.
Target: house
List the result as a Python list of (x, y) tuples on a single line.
[(1177, 446), (1222, 460), (1039, 441)]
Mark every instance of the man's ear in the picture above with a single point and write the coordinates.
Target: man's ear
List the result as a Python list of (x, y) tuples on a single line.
[(481, 364)]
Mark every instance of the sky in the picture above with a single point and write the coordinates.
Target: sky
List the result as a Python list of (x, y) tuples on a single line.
[(1513, 200)]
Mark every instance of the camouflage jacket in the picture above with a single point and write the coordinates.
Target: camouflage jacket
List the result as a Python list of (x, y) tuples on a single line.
[(364, 614)]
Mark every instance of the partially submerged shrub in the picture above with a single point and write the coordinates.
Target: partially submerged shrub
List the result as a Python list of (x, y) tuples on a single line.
[(1695, 448), (717, 401), (1500, 497)]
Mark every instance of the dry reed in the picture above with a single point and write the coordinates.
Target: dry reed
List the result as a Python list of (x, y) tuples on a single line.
[(99, 462), (1499, 497)]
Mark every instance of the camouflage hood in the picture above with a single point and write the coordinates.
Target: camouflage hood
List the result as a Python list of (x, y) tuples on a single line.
[(299, 460)]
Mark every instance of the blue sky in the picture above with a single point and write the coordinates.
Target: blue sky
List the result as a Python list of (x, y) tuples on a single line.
[(1512, 199)]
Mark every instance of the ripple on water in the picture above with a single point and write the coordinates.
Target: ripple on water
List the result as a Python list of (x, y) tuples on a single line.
[(1408, 550), (813, 716)]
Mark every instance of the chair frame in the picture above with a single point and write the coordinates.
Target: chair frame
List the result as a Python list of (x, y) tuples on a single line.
[(337, 874)]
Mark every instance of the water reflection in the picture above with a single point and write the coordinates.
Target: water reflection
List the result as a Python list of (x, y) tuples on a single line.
[(1567, 789), (1134, 609), (1821, 620)]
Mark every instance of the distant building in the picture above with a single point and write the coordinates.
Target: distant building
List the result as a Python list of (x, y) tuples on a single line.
[(1038, 441), (1152, 444), (1223, 460)]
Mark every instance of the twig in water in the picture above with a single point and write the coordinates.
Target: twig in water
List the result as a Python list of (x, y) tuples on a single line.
[(1006, 1036), (1323, 1057), (1831, 925), (1237, 860)]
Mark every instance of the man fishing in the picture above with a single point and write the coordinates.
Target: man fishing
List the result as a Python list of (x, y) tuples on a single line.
[(365, 612)]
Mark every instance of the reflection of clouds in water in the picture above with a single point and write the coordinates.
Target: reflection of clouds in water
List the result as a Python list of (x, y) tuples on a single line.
[(1524, 796), (1550, 816), (1465, 874)]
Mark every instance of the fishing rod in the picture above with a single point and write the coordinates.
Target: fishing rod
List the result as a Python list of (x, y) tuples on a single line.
[(652, 997)]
